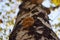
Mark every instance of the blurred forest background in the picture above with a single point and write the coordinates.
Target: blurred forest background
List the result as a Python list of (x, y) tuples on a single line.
[(9, 10)]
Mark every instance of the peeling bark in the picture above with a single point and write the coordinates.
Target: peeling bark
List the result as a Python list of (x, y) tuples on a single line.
[(36, 27)]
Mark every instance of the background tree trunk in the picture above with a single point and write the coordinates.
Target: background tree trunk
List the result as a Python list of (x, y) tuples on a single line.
[(32, 23)]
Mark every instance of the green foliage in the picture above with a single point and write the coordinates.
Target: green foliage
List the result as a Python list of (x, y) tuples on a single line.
[(1, 38), (7, 4), (10, 0), (0, 13), (11, 22), (1, 29), (57, 25), (8, 13), (59, 19)]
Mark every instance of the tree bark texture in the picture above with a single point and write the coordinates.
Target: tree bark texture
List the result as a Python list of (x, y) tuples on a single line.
[(32, 23)]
